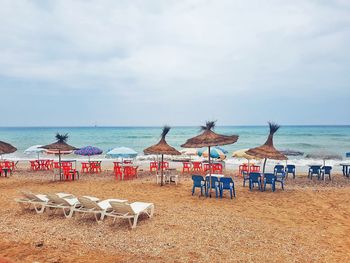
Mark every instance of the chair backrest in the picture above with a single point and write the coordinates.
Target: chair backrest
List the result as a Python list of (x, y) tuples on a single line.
[(30, 196), (197, 180), (214, 180), (122, 208), (197, 164), (269, 177), (279, 168), (290, 168), (315, 168), (255, 177), (53, 198), (226, 182), (327, 169), (88, 203)]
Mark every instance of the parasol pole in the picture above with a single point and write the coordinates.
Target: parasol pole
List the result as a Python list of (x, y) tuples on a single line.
[(38, 155), (209, 170), (59, 161), (264, 165), (161, 165)]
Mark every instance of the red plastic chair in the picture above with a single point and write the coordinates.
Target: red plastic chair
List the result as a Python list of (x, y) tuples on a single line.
[(197, 166), (67, 173), (153, 166), (243, 167), (130, 172), (217, 168), (206, 167), (95, 167), (34, 165), (85, 167), (254, 169), (118, 172), (165, 165), (186, 167), (56, 165)]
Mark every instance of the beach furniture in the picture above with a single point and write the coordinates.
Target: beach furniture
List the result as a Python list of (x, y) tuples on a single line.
[(95, 167), (245, 175), (125, 210), (254, 178), (153, 166), (243, 168), (254, 168), (213, 184), (281, 179), (290, 169), (326, 170), (29, 200), (196, 166), (63, 201), (226, 183), (90, 205), (217, 168), (206, 167), (198, 182), (129, 172), (314, 170), (85, 167), (345, 169), (278, 169), (270, 179), (186, 167)]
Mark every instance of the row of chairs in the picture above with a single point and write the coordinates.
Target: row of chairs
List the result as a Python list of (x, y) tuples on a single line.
[(320, 172), (188, 167), (219, 185), (261, 180)]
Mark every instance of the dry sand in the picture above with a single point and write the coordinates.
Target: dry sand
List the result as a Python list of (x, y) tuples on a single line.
[(309, 221)]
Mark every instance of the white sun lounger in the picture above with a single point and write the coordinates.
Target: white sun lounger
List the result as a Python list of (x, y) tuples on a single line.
[(62, 201), (30, 199), (98, 209), (128, 211)]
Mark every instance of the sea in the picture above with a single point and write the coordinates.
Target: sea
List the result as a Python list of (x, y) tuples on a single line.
[(306, 139)]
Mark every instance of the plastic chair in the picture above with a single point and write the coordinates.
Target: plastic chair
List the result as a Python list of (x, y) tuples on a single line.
[(245, 177), (130, 172), (118, 172), (164, 165), (254, 178), (254, 169), (290, 169), (214, 185), (206, 167), (279, 169), (314, 170), (95, 167), (326, 170), (153, 166), (34, 166), (226, 183), (198, 182), (217, 168), (197, 166), (281, 179), (270, 179), (243, 168), (85, 167), (186, 167)]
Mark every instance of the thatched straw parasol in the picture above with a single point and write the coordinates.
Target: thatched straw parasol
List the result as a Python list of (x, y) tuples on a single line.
[(59, 147), (267, 150), (209, 138), (162, 147), (6, 148)]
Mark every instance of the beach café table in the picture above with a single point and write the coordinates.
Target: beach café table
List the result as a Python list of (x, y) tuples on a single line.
[(346, 169)]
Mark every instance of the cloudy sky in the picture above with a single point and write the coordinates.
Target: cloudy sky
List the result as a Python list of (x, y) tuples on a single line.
[(124, 62)]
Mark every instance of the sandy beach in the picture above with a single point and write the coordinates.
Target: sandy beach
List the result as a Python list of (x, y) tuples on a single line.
[(309, 221)]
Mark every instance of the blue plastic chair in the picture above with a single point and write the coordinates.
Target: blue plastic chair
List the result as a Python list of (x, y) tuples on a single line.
[(315, 170), (279, 169), (226, 183), (326, 170), (281, 179), (270, 179), (290, 169), (254, 178), (245, 177), (214, 185), (198, 182)]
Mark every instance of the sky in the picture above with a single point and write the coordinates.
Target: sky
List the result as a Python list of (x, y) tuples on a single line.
[(136, 63)]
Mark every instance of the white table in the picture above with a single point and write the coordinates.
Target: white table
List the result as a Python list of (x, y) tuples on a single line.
[(216, 175)]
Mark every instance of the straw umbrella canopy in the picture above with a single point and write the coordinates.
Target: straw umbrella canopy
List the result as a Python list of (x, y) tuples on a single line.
[(6, 148), (60, 146), (162, 147), (267, 150), (209, 138)]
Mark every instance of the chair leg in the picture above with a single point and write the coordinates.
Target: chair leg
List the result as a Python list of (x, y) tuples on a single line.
[(193, 190)]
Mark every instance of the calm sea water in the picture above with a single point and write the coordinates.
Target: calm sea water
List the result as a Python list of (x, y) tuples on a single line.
[(307, 139)]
